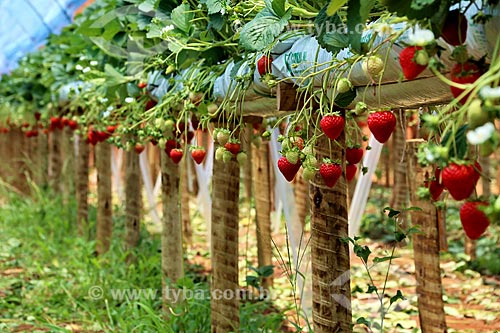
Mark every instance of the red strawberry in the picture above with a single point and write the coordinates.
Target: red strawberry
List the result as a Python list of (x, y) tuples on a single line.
[(264, 65), (176, 155), (435, 186), (460, 180), (353, 155), (474, 221), (350, 171), (288, 169), (407, 60), (72, 124), (465, 73), (55, 123), (38, 115), (454, 30), (111, 129), (382, 124), (65, 121), (331, 173), (332, 125), (150, 104), (198, 155), (92, 136), (171, 144), (142, 85), (233, 147), (139, 148)]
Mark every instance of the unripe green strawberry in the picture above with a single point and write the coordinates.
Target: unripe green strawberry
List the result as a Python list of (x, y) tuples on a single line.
[(212, 108), (223, 136), (476, 115), (285, 144), (219, 152), (372, 66), (292, 156), (159, 123), (227, 156), (308, 150), (361, 108), (422, 58), (308, 174), (311, 160), (169, 125), (162, 142), (242, 158), (343, 85)]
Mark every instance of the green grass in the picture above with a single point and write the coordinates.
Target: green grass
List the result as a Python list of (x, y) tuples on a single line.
[(50, 274)]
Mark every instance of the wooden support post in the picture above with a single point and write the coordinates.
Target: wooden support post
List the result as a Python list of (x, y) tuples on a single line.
[(56, 163), (185, 199), (104, 223), (329, 254), (172, 259), (82, 186), (133, 203), (262, 186), (224, 249), (426, 249)]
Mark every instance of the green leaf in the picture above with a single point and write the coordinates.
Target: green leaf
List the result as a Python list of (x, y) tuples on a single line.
[(182, 17), (276, 6), (252, 281), (334, 6), (371, 289), (458, 147), (216, 21), (354, 20), (421, 4), (111, 29), (398, 296), (147, 6), (262, 31), (332, 41), (214, 6), (344, 99), (399, 236), (363, 321), (362, 252), (265, 271)]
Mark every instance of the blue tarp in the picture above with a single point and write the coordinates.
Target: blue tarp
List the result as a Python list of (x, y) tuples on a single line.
[(26, 24)]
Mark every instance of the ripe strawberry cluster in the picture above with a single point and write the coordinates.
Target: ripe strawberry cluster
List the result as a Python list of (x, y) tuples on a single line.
[(460, 180)]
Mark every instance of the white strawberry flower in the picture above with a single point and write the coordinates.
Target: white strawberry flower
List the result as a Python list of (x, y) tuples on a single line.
[(78, 67), (488, 92), (164, 31), (421, 37), (383, 29), (481, 134), (86, 70), (129, 100), (93, 63)]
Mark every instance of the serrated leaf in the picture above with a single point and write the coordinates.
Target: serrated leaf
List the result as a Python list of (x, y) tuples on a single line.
[(214, 6), (334, 6), (262, 31), (147, 6), (182, 17), (332, 41), (277, 6)]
